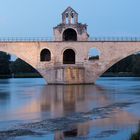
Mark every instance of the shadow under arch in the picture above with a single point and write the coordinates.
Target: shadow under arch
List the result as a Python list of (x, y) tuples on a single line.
[(25, 60)]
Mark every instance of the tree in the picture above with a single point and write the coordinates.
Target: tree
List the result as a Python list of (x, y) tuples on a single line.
[(4, 63), (136, 64), (129, 64), (20, 66)]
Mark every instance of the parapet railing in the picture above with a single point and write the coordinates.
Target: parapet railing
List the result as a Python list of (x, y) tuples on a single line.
[(52, 39), (115, 39), (26, 39)]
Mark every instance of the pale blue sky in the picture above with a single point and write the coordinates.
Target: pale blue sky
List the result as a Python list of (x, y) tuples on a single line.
[(36, 18)]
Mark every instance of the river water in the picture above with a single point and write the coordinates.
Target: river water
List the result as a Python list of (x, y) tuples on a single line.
[(30, 109)]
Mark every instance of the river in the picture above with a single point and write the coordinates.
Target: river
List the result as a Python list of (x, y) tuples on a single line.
[(30, 109)]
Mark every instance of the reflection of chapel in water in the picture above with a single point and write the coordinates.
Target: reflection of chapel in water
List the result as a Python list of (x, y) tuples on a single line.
[(70, 29)]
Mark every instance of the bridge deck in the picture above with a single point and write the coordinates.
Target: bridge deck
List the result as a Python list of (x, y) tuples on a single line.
[(50, 39)]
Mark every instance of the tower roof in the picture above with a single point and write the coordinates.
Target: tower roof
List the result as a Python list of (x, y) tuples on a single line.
[(68, 10)]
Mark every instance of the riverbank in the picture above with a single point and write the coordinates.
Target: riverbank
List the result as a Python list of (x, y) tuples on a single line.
[(21, 75), (37, 75), (120, 74)]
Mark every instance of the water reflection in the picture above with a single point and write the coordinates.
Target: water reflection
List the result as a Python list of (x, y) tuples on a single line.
[(64, 100), (38, 102), (4, 94), (27, 101), (81, 131), (58, 101)]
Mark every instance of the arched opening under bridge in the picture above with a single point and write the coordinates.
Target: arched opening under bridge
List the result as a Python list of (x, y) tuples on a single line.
[(129, 66), (12, 66)]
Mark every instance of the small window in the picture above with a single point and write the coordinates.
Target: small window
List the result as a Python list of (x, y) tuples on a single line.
[(94, 54), (45, 55)]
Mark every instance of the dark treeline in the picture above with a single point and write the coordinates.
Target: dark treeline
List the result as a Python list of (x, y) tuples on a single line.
[(17, 67), (4, 64), (130, 64)]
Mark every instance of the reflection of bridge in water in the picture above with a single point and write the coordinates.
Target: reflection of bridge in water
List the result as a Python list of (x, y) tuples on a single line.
[(60, 101)]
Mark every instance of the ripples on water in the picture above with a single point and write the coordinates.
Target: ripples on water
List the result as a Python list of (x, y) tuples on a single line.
[(108, 110)]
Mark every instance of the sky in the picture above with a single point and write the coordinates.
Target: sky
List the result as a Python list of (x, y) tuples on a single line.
[(36, 18)]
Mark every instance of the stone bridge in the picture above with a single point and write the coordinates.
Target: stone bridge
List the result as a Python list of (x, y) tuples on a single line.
[(71, 58), (62, 62)]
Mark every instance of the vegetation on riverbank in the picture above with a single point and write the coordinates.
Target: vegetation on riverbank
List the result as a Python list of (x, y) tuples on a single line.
[(136, 136), (26, 75), (15, 69), (120, 74), (129, 65), (21, 75)]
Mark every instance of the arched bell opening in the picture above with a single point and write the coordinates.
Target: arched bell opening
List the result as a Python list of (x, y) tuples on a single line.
[(69, 35)]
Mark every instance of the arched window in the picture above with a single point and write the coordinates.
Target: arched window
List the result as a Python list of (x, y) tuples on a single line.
[(94, 54), (72, 18), (69, 35), (67, 18), (45, 55), (69, 57)]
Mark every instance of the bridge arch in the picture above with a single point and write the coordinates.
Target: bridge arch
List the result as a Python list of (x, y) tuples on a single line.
[(118, 60), (45, 55), (23, 56), (112, 61), (69, 35)]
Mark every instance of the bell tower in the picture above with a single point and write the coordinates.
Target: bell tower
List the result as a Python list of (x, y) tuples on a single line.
[(70, 29), (69, 16)]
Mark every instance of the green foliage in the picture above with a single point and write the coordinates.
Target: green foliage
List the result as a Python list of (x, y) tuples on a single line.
[(94, 58), (136, 64), (19, 66), (129, 64), (4, 63)]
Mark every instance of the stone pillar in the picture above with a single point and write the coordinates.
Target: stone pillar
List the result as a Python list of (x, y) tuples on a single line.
[(76, 19), (64, 19), (64, 75)]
